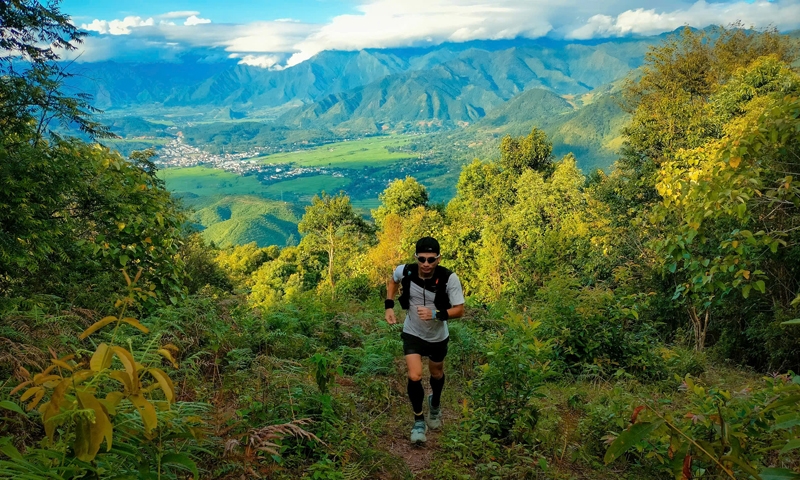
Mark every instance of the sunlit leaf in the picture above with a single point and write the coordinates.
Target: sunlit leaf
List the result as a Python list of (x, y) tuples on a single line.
[(168, 355), (123, 378), (164, 382), (135, 323), (97, 326), (102, 358), (101, 428), (130, 367), (29, 393), (62, 364), (146, 410), (20, 387)]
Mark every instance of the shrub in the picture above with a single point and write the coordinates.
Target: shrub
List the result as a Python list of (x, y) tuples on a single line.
[(728, 434), (595, 332), (517, 366)]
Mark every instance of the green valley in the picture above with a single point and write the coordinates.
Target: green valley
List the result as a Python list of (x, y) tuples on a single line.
[(225, 307)]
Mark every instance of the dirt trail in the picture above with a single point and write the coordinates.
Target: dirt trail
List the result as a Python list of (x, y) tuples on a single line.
[(419, 459)]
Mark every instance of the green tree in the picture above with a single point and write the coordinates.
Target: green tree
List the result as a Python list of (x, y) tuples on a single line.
[(330, 225), (70, 210), (669, 101), (399, 198), (530, 152), (732, 202)]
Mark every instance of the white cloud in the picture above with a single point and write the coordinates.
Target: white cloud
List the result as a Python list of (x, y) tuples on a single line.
[(179, 14), (262, 61), (195, 20), (781, 14), (117, 27), (388, 23), (392, 23)]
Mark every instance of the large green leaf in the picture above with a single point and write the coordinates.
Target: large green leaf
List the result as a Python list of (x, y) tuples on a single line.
[(789, 420), (778, 474), (9, 405), (629, 438), (8, 449), (791, 445), (183, 460), (796, 321)]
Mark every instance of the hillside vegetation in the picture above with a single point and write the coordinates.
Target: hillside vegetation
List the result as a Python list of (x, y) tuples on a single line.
[(640, 323)]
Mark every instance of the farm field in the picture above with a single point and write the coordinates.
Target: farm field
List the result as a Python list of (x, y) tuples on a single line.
[(307, 186), (367, 152), (205, 182)]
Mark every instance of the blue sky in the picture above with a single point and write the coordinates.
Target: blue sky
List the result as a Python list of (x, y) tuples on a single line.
[(233, 11), (281, 33)]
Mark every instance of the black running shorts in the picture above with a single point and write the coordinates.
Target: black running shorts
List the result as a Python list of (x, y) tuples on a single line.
[(436, 351)]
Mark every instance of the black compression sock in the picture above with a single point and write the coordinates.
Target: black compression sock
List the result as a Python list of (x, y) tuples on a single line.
[(416, 394), (437, 384)]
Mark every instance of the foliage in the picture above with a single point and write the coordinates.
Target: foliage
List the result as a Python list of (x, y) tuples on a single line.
[(399, 198), (596, 333), (752, 433), (81, 405), (530, 152), (724, 191), (517, 365), (331, 226)]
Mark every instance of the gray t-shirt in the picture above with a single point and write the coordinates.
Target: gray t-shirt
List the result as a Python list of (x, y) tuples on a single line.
[(431, 330)]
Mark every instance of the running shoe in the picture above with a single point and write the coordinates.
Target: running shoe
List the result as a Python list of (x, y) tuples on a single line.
[(434, 415), (418, 432)]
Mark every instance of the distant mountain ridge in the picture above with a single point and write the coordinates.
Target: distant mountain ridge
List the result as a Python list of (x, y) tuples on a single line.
[(494, 71)]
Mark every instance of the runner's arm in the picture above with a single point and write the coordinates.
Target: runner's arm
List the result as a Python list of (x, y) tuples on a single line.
[(391, 291)]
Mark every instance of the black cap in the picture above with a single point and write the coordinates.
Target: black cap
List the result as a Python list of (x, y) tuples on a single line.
[(427, 245)]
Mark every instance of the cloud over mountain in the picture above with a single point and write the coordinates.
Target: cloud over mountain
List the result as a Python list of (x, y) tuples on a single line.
[(388, 23)]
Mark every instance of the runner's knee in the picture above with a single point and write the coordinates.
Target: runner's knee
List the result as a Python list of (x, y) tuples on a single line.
[(415, 376)]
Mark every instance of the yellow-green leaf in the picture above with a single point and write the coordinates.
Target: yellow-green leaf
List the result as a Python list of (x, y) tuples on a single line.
[(135, 323), (29, 393), (20, 387), (146, 410), (130, 366), (168, 355), (36, 399), (62, 364), (101, 428), (122, 378), (102, 358), (97, 326), (164, 382)]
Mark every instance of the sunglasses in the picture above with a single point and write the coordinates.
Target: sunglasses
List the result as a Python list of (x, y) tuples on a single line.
[(427, 259)]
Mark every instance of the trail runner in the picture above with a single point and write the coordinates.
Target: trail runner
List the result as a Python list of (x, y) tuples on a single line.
[(432, 295)]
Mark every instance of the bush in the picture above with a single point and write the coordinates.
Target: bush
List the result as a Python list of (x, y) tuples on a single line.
[(517, 366), (596, 333)]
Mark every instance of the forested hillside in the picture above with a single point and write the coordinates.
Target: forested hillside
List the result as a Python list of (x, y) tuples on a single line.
[(640, 323)]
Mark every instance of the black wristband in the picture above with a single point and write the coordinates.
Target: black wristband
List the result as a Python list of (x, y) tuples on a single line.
[(388, 303), (442, 315)]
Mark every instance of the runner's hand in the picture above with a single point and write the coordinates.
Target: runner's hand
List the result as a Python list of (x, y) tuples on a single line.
[(390, 318), (425, 313)]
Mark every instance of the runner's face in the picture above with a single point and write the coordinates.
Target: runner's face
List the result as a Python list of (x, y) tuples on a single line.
[(424, 260)]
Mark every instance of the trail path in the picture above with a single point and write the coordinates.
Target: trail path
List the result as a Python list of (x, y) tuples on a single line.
[(419, 459)]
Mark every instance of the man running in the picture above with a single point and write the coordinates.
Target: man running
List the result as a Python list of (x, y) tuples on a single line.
[(432, 295)]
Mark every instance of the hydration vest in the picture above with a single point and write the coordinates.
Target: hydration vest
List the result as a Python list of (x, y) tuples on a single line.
[(436, 284)]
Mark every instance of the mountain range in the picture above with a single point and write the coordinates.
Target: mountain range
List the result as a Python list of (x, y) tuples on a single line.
[(388, 88)]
